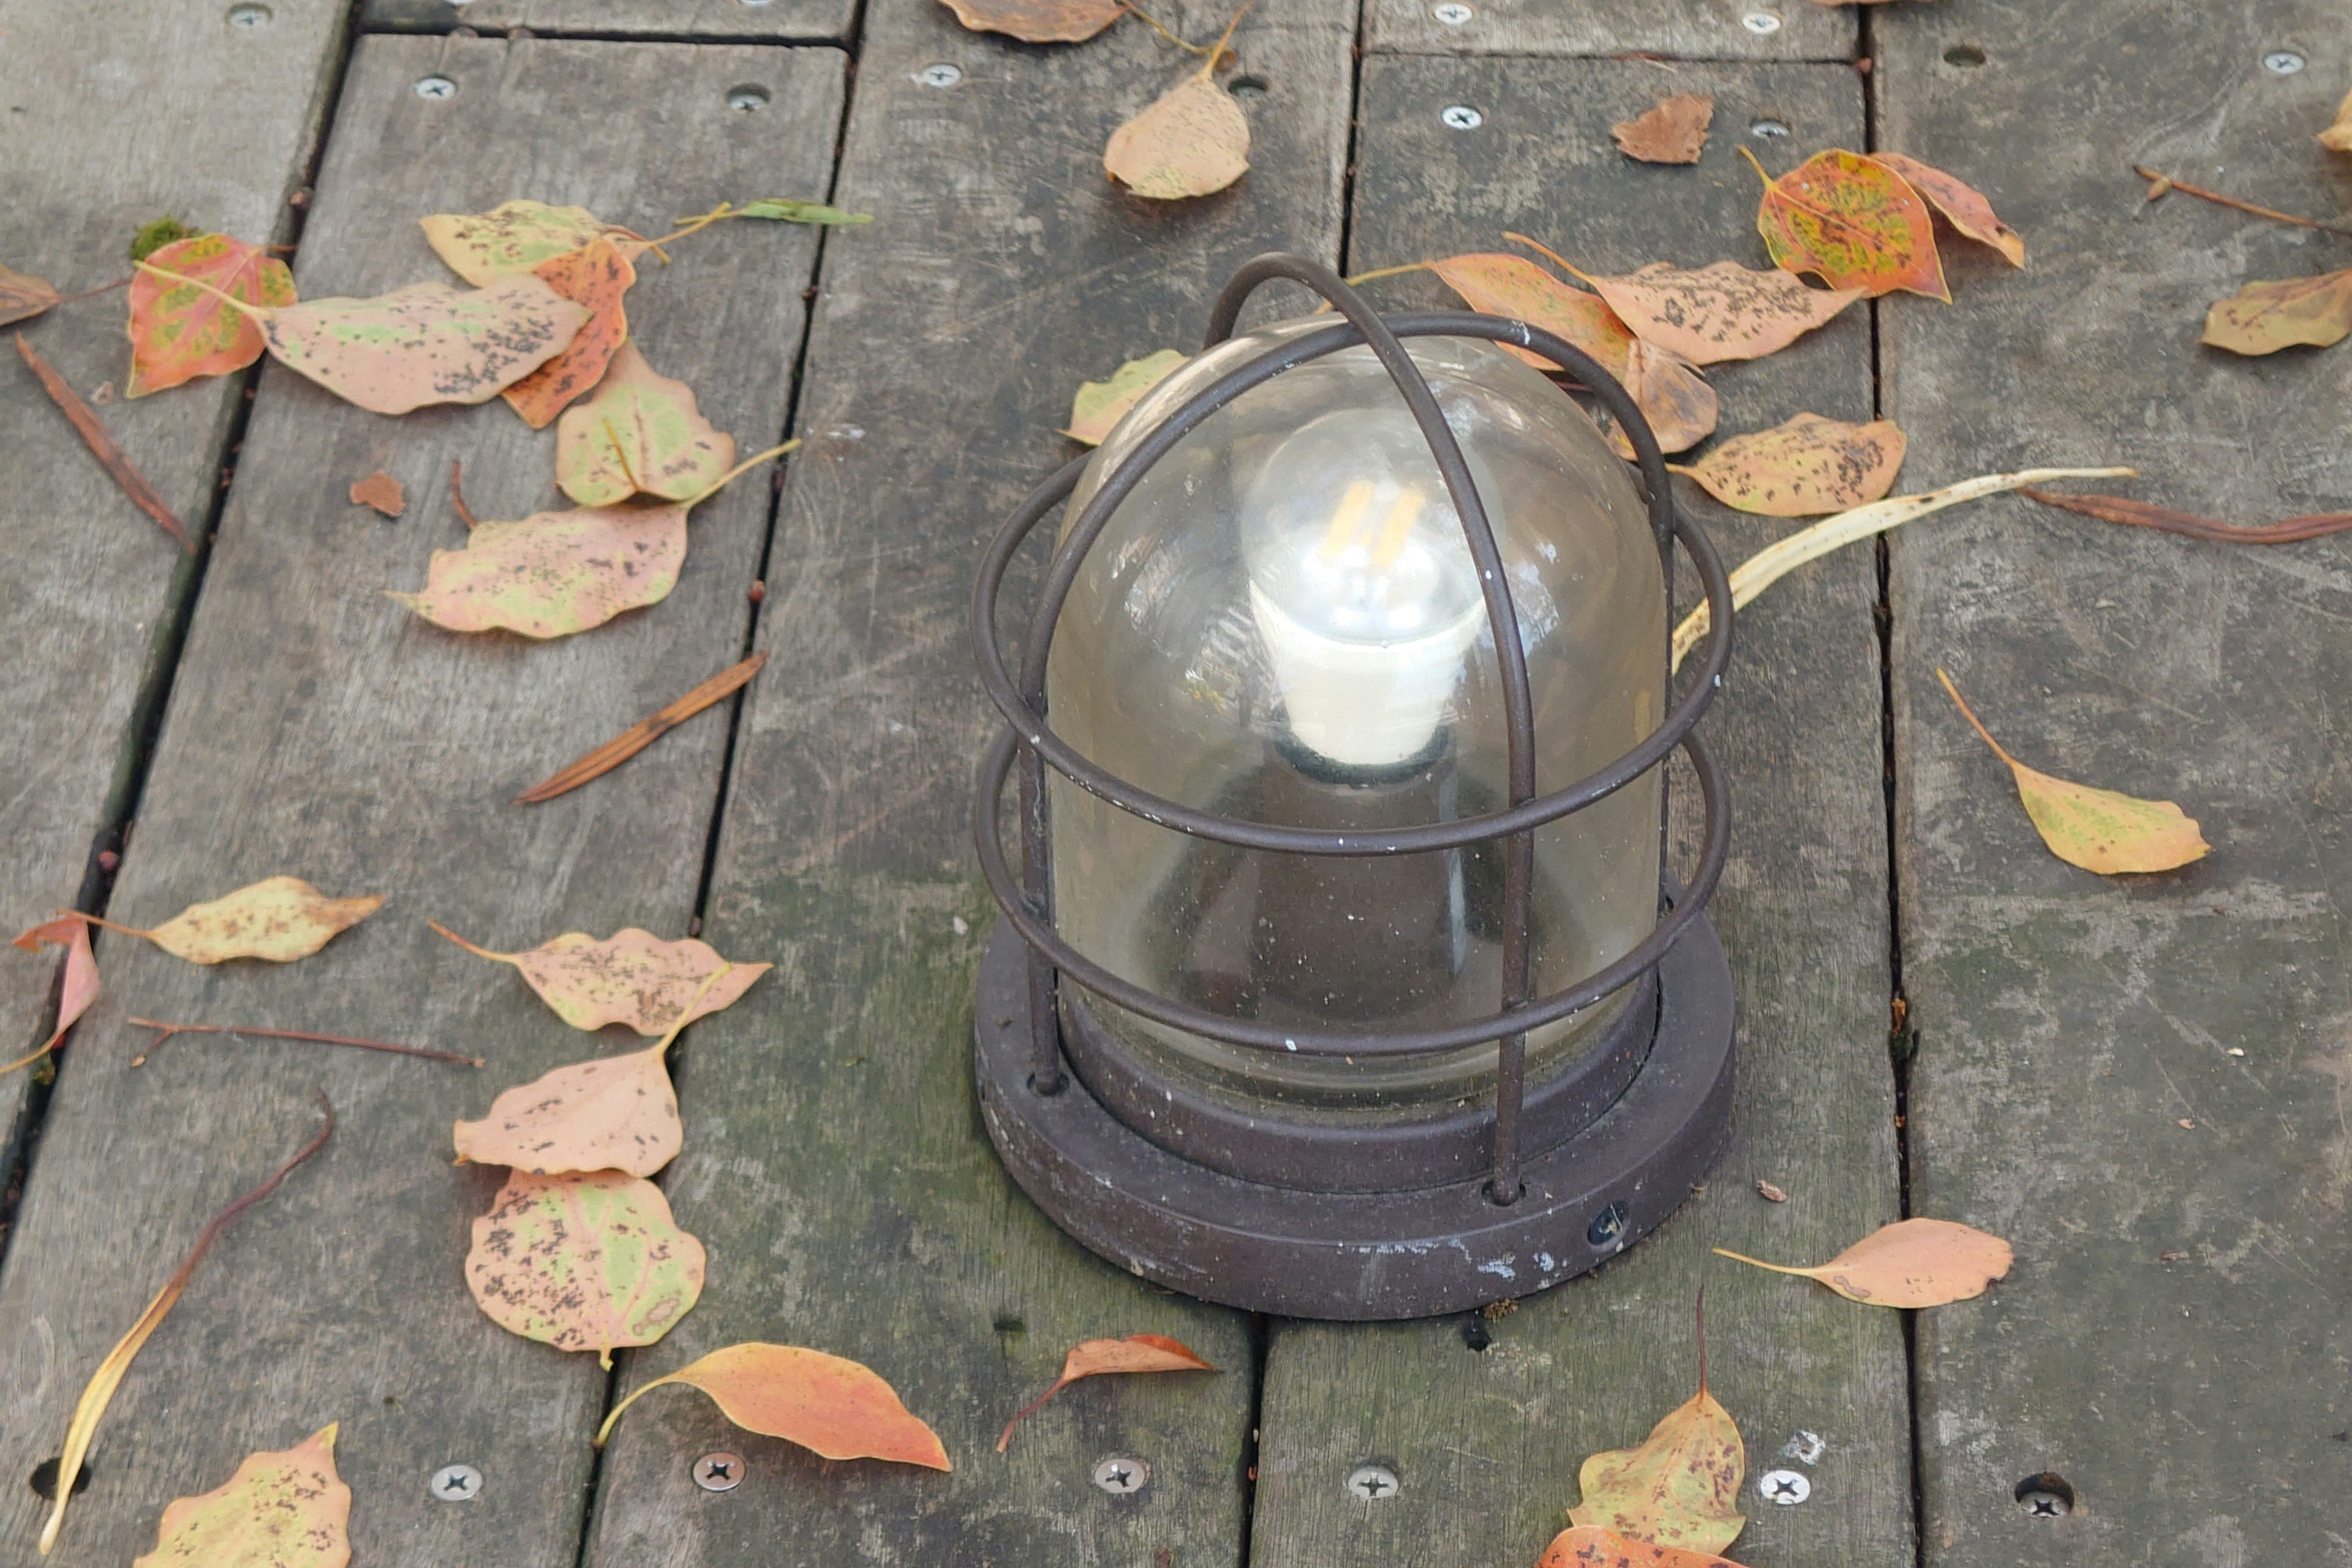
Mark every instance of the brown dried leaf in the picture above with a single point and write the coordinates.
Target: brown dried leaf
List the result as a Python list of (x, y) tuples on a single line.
[(633, 977), (641, 434), (381, 491), (1679, 1488), (1911, 1263), (1590, 1546), (1514, 286), (277, 919), (2166, 520), (1669, 132), (1962, 204), (554, 573), (287, 1509), (425, 344), (1769, 1193), (603, 759), (586, 1262), (1724, 311), (2337, 138), (1804, 468), (1092, 1358), (23, 295), (838, 1408), (2288, 313), (1099, 405), (1193, 140), (1038, 21)]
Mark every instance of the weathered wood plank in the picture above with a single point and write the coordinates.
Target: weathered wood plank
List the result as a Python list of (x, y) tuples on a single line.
[(1486, 1446), (318, 728), (735, 21), (111, 115), (1679, 29), (2069, 1026), (832, 1130)]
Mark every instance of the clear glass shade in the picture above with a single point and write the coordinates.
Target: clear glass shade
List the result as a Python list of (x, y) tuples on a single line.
[(1282, 623)]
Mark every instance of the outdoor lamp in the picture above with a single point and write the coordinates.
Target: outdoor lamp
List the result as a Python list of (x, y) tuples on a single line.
[(1340, 973)]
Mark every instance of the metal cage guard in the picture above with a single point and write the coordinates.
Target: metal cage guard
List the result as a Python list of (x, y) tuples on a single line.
[(1027, 901)]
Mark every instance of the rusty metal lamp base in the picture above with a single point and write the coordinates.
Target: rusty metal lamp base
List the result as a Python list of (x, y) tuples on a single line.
[(1356, 1256)]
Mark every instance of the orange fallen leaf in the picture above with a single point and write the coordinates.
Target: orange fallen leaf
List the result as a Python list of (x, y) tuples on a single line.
[(23, 295), (425, 344), (2337, 138), (79, 988), (1911, 1263), (279, 919), (554, 573), (287, 1509), (1514, 286), (93, 434), (839, 1409), (1589, 1546), (186, 325), (1855, 222), (1671, 132), (511, 237), (2288, 313), (589, 1262), (633, 977), (1100, 404), (1092, 1358), (381, 491), (1724, 311), (596, 275), (1962, 204), (1804, 468), (1038, 21), (1680, 1488), (596, 763), (1681, 408), (1193, 140), (2098, 829), (640, 434)]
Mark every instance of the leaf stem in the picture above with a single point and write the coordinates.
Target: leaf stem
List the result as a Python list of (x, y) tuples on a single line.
[(168, 1030), (1387, 272), (1769, 182), (104, 924), (1160, 28), (469, 947), (457, 494), (258, 312), (731, 474), (1005, 1437), (686, 1014), (606, 1431), (1969, 714), (1775, 1267), (1216, 50), (2160, 184)]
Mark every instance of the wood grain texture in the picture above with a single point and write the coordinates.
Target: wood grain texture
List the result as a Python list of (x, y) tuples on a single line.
[(1487, 1444), (316, 728), (111, 115), (2068, 1025), (733, 21), (1678, 29), (832, 1132)]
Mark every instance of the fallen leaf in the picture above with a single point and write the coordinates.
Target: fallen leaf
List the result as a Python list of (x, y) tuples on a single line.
[(776, 209), (2165, 520), (381, 491), (836, 1408), (1769, 1193), (511, 237), (2098, 829), (1514, 286), (555, 573), (1193, 140), (1803, 468), (99, 1391), (287, 1509), (2287, 312), (2337, 138), (1038, 21), (632, 977), (1092, 1358), (1962, 204), (93, 434), (1724, 311), (1589, 1546), (589, 1262), (1680, 406), (182, 326), (1911, 1263), (427, 343), (80, 987), (1855, 222), (596, 275), (1100, 404), (279, 919), (641, 433), (1679, 1488), (23, 295), (1668, 132), (595, 764)]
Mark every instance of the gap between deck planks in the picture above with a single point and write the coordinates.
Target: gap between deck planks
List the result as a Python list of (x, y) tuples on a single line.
[(2068, 1025), (730, 21), (318, 728), (1681, 30), (1486, 1446)]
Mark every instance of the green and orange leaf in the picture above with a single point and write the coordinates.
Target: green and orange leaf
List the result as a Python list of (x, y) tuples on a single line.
[(287, 1509), (834, 1408), (555, 573), (1854, 223), (179, 329), (425, 344), (589, 1262), (640, 434)]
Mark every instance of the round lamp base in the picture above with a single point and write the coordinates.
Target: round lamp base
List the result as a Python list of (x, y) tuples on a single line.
[(1366, 1255)]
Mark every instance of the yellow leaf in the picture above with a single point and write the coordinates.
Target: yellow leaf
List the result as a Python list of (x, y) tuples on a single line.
[(2098, 829), (2288, 312), (1193, 140), (632, 977), (279, 919), (554, 574), (834, 1408), (1679, 1488), (1911, 1263), (640, 433), (1808, 466), (287, 1509), (1101, 404)]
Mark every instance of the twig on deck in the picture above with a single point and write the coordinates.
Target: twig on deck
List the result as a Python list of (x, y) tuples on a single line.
[(168, 1030), (644, 733), (458, 493), (102, 446), (2158, 185), (2140, 514)]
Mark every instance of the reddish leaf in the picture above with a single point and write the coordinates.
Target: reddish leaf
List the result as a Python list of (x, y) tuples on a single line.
[(1514, 286), (1856, 223), (1724, 311), (1962, 204), (23, 295), (836, 1408), (1672, 132), (1681, 408), (1038, 21), (81, 987), (1092, 1358), (617, 1113), (1590, 1546), (596, 275), (381, 491), (555, 573), (93, 434), (179, 331), (603, 759)]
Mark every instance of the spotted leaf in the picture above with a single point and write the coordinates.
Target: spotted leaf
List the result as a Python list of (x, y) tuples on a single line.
[(1724, 311), (641, 433), (632, 977), (1804, 468), (511, 237), (1679, 1488), (588, 1262), (597, 276), (181, 329), (1855, 222), (555, 573), (425, 344), (287, 1509)]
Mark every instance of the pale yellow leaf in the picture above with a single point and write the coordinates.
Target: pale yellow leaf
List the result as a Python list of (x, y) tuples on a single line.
[(1679, 1488), (1193, 140), (1912, 1263), (287, 1509), (1101, 404), (279, 919)]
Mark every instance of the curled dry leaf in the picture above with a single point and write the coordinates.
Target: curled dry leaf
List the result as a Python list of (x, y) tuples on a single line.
[(1099, 405), (23, 295), (1038, 21), (554, 573), (93, 434), (1911, 1263), (596, 275), (79, 988), (184, 326), (1680, 406), (603, 759), (1590, 1546), (1092, 1358), (640, 434), (427, 343), (1962, 204), (2337, 138), (1724, 311), (1679, 1488), (1193, 140), (2165, 520), (1804, 468), (1855, 222), (1514, 286), (2098, 829), (838, 1408), (1669, 132), (632, 977), (511, 237), (287, 1509), (583, 1262), (2288, 312), (381, 491), (279, 919)]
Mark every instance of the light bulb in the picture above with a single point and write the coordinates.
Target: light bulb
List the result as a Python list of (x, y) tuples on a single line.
[(1362, 586)]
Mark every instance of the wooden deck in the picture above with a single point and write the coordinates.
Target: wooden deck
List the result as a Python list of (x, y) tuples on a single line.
[(261, 708)]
